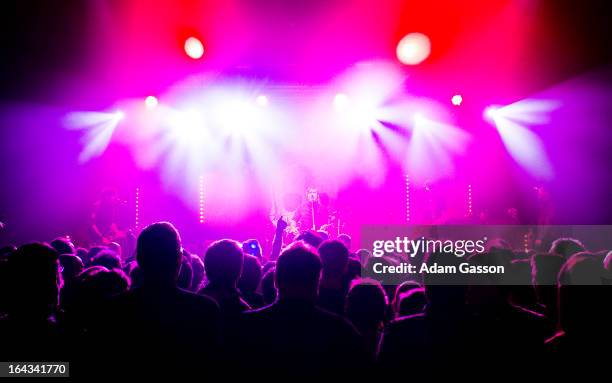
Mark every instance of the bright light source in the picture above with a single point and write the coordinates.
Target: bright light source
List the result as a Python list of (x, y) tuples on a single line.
[(341, 101), (262, 100), (457, 99), (193, 118), (491, 112), (194, 48), (237, 116), (413, 49), (151, 102), (188, 126), (118, 115), (433, 147), (98, 130), (418, 119), (514, 122)]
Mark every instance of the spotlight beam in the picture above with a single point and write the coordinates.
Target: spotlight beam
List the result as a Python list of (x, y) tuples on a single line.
[(99, 128), (513, 125)]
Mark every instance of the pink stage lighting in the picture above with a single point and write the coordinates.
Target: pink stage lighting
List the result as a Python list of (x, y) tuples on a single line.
[(136, 209), (413, 49), (98, 128), (514, 124), (457, 100), (194, 48)]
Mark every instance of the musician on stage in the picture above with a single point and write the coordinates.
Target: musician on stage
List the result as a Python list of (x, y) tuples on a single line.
[(313, 213), (104, 228)]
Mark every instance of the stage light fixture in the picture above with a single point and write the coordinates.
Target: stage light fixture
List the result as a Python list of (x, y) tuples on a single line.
[(413, 49), (194, 48), (99, 128), (491, 112), (151, 102), (118, 115), (457, 100), (514, 124)]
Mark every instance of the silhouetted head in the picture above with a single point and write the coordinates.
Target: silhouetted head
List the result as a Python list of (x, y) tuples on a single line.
[(98, 283), (353, 271), (488, 291), (323, 234), (62, 245), (363, 255), (402, 288), (366, 304), (223, 262), (158, 253), (334, 256), (107, 258), (197, 266), (583, 300), (545, 268), (34, 281), (5, 251), (346, 239), (251, 274), (81, 253), (445, 292), (497, 243), (607, 261), (71, 266), (371, 263), (310, 237), (135, 273), (185, 273), (93, 251), (298, 270), (566, 247), (522, 292), (412, 302), (114, 246)]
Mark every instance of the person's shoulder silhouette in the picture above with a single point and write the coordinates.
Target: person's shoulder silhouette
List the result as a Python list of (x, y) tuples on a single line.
[(167, 327), (28, 328), (293, 333)]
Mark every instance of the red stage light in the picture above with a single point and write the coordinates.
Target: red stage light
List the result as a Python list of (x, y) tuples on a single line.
[(413, 49), (194, 48)]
